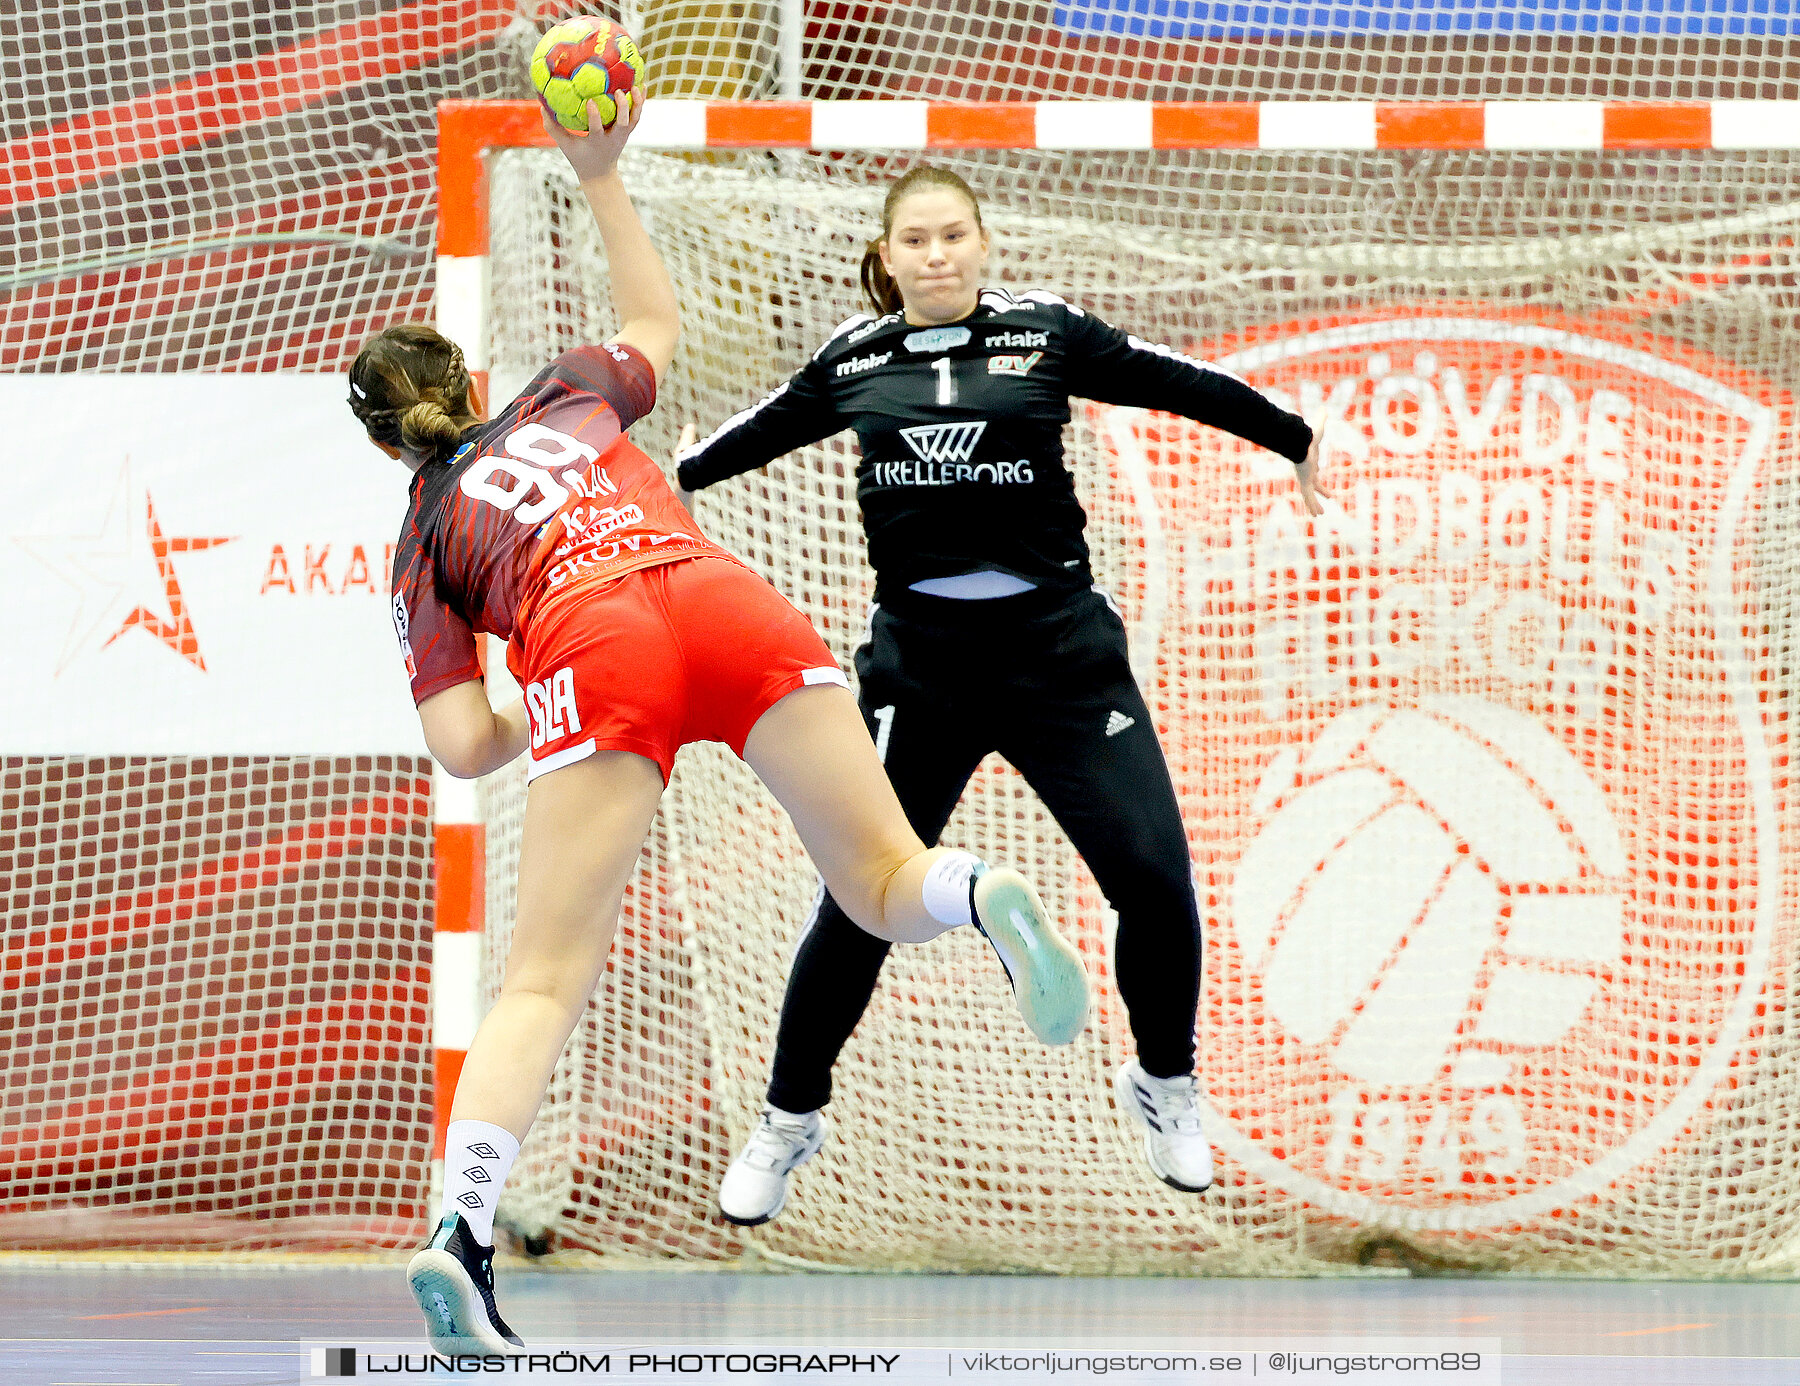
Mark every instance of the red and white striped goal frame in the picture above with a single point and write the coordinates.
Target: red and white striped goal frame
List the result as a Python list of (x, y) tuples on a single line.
[(468, 129)]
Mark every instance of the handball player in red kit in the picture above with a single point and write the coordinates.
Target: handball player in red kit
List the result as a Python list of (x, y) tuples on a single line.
[(632, 634)]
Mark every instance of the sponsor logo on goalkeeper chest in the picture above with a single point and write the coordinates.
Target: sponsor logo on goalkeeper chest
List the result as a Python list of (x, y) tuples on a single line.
[(937, 339), (944, 453), (1499, 928), (856, 365), (1013, 365), (953, 442)]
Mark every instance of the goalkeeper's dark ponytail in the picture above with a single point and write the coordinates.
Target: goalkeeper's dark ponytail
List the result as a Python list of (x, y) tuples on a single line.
[(409, 388), (877, 283)]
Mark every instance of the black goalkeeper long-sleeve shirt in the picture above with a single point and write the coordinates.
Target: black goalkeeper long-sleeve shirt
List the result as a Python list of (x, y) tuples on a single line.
[(961, 430)]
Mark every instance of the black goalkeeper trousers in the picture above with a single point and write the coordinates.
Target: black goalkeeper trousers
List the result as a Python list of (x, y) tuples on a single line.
[(1048, 685)]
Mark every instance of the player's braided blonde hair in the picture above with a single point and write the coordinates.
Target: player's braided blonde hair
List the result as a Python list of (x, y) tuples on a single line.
[(409, 389)]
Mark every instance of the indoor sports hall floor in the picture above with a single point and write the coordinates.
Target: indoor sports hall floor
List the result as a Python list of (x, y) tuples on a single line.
[(198, 1325)]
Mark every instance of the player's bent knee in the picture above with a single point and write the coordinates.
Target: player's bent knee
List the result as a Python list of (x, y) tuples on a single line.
[(899, 933), (864, 901), (901, 917), (561, 998)]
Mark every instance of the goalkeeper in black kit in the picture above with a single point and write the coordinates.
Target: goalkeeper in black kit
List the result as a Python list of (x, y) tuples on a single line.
[(988, 634)]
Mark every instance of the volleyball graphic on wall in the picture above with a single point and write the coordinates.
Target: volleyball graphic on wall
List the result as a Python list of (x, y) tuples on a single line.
[(1411, 858)]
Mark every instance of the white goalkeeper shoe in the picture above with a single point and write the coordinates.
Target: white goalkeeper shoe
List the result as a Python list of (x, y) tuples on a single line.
[(1049, 983), (756, 1184), (1169, 1111)]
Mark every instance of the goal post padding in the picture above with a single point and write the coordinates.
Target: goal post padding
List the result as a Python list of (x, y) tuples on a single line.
[(1486, 774)]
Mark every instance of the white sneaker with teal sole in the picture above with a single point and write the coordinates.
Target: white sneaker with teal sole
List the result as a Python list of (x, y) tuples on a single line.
[(452, 1277), (1049, 983)]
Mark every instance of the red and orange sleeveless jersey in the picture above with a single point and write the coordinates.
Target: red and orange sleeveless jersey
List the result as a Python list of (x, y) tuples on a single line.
[(548, 497)]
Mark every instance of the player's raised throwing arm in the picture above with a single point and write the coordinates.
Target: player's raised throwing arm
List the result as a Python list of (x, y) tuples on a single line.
[(643, 296)]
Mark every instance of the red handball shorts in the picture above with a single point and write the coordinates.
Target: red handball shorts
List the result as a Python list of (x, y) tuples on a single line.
[(694, 650)]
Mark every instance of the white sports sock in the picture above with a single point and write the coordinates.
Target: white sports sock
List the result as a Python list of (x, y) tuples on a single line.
[(477, 1158), (946, 888)]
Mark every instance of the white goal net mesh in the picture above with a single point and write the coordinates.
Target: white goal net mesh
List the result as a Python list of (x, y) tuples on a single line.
[(1486, 778), (217, 1002), (217, 975), (217, 967)]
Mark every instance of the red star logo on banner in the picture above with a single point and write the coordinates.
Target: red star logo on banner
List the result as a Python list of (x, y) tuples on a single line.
[(112, 571), (178, 632)]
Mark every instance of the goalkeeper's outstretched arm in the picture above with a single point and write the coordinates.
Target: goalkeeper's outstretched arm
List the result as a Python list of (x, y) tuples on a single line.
[(643, 296)]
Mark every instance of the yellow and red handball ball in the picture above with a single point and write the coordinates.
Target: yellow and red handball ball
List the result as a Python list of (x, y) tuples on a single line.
[(583, 60)]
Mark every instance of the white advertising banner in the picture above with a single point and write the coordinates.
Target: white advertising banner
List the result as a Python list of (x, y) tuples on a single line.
[(197, 565)]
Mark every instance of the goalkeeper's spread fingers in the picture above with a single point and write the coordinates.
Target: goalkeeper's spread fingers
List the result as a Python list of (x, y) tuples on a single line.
[(1311, 492)]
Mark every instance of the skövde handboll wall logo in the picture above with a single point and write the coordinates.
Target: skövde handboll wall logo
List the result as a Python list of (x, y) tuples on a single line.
[(1433, 897), (1499, 907), (1486, 817)]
